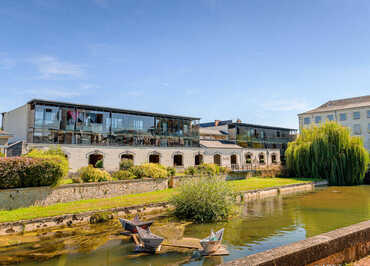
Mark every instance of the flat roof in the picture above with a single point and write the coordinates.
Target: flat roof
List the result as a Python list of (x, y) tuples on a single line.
[(261, 126), (109, 109)]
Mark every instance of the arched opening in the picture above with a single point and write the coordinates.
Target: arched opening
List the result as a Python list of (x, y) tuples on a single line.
[(273, 158), (233, 159), (94, 158), (248, 158), (154, 158), (198, 159), (217, 159), (177, 160), (261, 158), (127, 156)]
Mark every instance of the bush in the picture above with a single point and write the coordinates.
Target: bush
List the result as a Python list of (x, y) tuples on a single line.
[(328, 152), (55, 154), (223, 170), (123, 175), (203, 200), (2, 155), (99, 164), (191, 170), (126, 164), (209, 169), (91, 174), (19, 172), (137, 171), (154, 170), (171, 171)]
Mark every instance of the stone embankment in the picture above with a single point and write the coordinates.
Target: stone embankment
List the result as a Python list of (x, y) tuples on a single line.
[(337, 247), (70, 219)]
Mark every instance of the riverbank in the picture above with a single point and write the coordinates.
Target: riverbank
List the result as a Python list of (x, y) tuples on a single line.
[(31, 218)]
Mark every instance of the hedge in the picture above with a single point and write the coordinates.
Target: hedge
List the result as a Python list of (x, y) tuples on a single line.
[(18, 172)]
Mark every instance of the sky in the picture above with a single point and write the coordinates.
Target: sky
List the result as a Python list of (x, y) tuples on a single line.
[(263, 61)]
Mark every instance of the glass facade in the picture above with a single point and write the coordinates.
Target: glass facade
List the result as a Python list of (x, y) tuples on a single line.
[(330, 117), (69, 125)]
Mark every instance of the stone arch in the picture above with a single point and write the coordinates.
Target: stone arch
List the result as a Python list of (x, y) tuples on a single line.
[(274, 158), (233, 159), (154, 157), (127, 155), (248, 158), (198, 159), (178, 159), (261, 158), (95, 156), (217, 159)]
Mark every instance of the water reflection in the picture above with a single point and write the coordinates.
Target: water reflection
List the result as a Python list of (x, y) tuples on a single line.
[(260, 225)]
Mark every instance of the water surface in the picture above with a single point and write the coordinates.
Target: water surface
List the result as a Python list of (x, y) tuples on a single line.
[(261, 225)]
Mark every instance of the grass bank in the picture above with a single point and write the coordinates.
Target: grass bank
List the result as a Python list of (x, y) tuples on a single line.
[(133, 199)]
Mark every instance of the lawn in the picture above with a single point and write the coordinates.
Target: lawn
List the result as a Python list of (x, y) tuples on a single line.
[(130, 200)]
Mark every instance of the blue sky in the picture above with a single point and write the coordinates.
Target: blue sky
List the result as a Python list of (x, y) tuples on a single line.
[(262, 61)]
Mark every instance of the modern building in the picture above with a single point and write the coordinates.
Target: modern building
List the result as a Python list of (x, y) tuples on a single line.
[(4, 138), (89, 133), (249, 136), (350, 112)]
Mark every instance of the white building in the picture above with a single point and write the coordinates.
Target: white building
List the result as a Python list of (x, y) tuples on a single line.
[(351, 112)]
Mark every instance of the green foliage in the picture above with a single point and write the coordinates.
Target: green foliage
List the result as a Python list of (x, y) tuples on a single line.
[(191, 170), (328, 152), (19, 172), (137, 171), (209, 169), (204, 200), (91, 174), (99, 164), (123, 175), (55, 154), (154, 170), (101, 217), (171, 171), (126, 164), (2, 154)]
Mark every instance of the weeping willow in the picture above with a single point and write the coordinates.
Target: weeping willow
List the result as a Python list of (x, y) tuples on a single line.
[(328, 152)]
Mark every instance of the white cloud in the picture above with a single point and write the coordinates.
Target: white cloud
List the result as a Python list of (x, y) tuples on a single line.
[(53, 93), (285, 105), (51, 68)]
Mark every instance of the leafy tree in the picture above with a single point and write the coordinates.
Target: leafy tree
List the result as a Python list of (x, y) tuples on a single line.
[(328, 152)]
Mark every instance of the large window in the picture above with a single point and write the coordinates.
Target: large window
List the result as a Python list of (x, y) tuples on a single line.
[(317, 119), (47, 117), (356, 115), (330, 117), (342, 117), (357, 129), (368, 113), (94, 121), (307, 121)]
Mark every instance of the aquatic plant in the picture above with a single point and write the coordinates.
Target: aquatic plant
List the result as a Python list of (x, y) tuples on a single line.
[(328, 152), (204, 200)]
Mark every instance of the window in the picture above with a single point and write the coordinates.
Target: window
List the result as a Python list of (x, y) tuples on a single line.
[(278, 134), (368, 113), (356, 115), (317, 119), (273, 158), (330, 117), (342, 117), (357, 129), (368, 128), (261, 158), (307, 121)]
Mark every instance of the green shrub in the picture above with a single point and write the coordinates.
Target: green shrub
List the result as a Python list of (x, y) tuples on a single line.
[(99, 164), (2, 154), (137, 171), (154, 170), (102, 217), (223, 170), (171, 171), (91, 174), (204, 200), (328, 152), (191, 170), (209, 169), (19, 172), (55, 154), (126, 164), (123, 175)]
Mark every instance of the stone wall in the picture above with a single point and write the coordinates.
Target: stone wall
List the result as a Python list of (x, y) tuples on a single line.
[(43, 196), (337, 247)]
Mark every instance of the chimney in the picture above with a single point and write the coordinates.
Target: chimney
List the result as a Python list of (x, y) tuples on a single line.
[(217, 122)]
